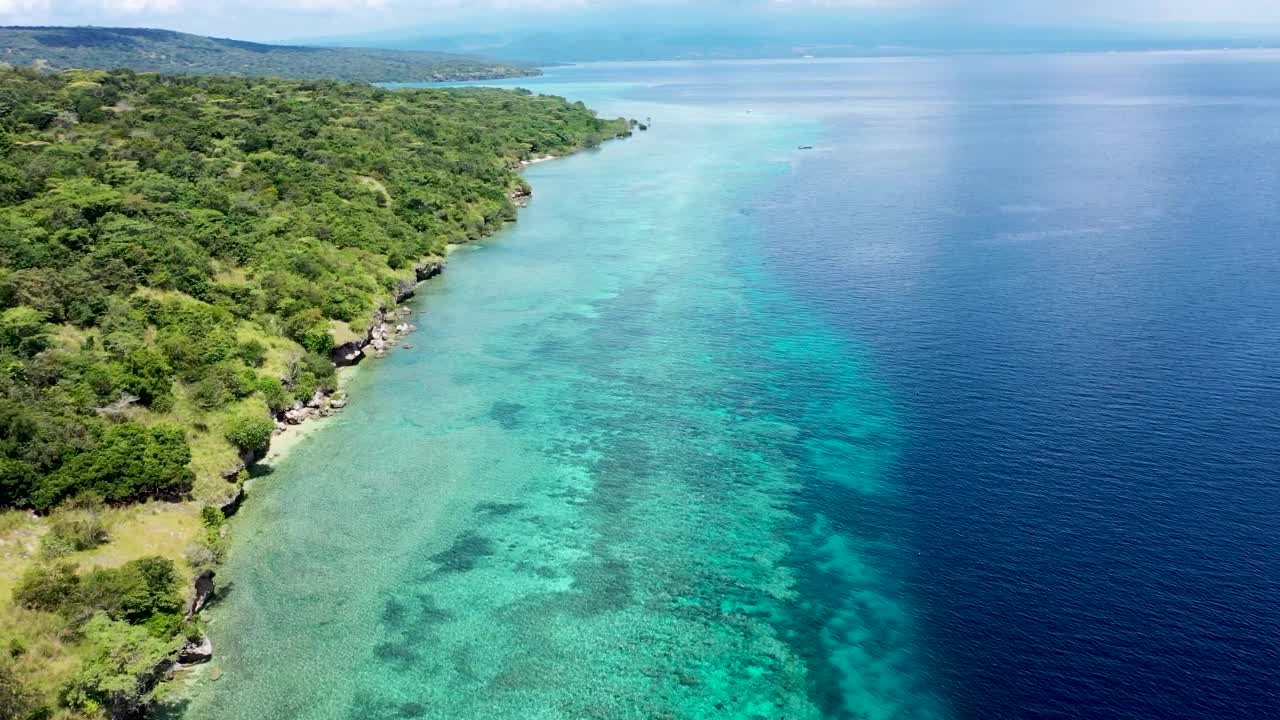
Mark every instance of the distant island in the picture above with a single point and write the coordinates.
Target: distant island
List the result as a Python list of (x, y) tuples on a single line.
[(166, 51)]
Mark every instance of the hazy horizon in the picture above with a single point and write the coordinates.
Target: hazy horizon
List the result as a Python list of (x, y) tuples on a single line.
[(940, 24)]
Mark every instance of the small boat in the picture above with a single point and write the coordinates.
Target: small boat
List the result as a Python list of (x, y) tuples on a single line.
[(806, 147)]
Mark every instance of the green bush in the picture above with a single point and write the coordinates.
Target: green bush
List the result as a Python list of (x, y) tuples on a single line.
[(17, 702), (132, 592), (47, 588), (23, 331), (251, 432), (17, 480), (77, 526), (118, 672), (211, 517), (274, 393), (253, 353)]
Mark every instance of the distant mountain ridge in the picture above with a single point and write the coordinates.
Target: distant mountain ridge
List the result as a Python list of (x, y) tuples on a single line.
[(168, 51), (628, 43)]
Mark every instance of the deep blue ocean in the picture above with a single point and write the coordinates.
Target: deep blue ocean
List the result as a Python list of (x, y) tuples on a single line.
[(972, 410), (1068, 272)]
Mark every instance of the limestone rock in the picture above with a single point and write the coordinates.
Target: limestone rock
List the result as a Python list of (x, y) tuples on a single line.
[(204, 589), (196, 651)]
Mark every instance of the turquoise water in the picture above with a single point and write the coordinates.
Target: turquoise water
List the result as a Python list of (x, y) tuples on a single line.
[(602, 484)]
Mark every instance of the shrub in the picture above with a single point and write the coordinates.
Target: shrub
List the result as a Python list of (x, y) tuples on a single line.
[(253, 353), (78, 526), (132, 592), (274, 393), (17, 702), (148, 375), (47, 588), (23, 331), (251, 432), (211, 517)]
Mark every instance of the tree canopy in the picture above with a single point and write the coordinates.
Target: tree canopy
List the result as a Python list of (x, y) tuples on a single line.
[(157, 232)]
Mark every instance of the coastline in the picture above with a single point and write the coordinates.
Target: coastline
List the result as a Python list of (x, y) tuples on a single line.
[(535, 161), (248, 380), (388, 327), (288, 438), (290, 435)]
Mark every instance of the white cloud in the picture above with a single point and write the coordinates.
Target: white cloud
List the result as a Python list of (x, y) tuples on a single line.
[(335, 5), (22, 7), (134, 7)]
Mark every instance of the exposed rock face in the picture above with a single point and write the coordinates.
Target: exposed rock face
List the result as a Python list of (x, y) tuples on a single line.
[(429, 269), (520, 196), (296, 414), (405, 289), (203, 592), (232, 506), (348, 353), (249, 457), (196, 651), (378, 336)]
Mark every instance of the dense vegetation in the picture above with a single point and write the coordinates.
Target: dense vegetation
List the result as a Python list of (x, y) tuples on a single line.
[(146, 50), (131, 620), (176, 258)]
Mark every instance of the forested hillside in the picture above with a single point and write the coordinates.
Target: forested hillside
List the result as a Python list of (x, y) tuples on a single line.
[(166, 51), (176, 255)]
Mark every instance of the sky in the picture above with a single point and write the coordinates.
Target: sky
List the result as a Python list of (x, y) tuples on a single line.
[(268, 20)]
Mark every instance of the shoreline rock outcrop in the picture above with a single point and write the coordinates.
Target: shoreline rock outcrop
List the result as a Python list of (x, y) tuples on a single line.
[(196, 651), (387, 323)]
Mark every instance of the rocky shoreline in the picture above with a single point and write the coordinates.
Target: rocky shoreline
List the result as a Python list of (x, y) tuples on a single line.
[(388, 325), (386, 328)]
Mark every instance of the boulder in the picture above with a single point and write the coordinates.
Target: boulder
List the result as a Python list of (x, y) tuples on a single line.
[(232, 474), (429, 269), (204, 588), (405, 289), (348, 353), (196, 652)]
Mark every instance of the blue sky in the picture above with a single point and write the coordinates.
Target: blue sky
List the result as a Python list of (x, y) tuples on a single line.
[(276, 19)]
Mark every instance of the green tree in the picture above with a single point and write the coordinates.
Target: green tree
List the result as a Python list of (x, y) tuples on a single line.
[(253, 352), (147, 374), (24, 331), (17, 480), (274, 393), (130, 462)]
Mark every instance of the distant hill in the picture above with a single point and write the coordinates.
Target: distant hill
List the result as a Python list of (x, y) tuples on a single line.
[(632, 41), (147, 50)]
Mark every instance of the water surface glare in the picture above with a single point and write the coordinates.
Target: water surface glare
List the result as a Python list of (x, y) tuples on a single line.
[(968, 412)]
